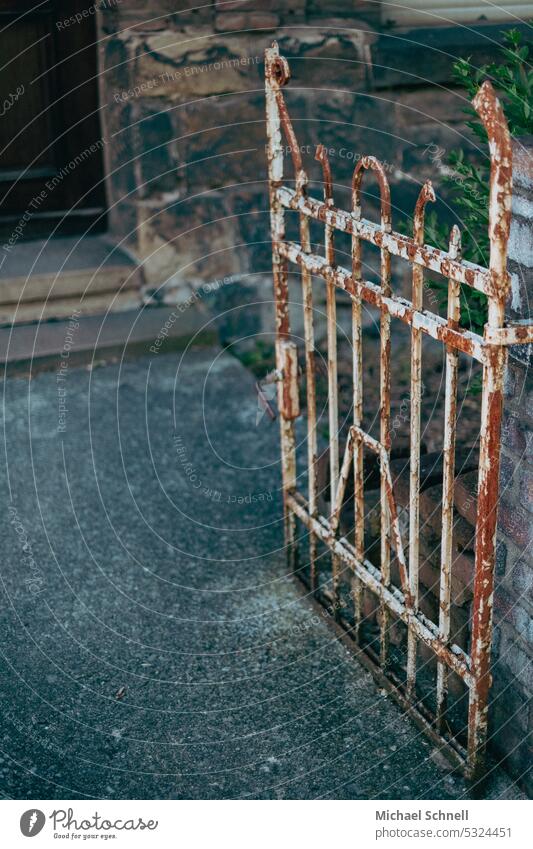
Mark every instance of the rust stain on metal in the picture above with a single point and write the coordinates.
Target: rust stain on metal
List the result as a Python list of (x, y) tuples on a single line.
[(450, 421), (367, 163), (289, 380), (331, 316), (490, 349), (426, 195), (432, 258)]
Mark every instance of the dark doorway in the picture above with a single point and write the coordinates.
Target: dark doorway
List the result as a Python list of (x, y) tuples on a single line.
[(51, 148)]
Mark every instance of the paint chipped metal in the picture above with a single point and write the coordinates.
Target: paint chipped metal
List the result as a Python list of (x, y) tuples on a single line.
[(490, 349)]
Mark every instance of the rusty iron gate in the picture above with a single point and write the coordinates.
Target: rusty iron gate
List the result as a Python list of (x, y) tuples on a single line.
[(400, 601)]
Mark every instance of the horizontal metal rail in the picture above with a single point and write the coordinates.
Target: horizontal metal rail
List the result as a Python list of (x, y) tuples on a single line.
[(429, 323), (428, 632), (397, 244)]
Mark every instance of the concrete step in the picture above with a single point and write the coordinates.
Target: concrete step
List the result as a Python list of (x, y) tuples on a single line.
[(40, 347), (52, 278)]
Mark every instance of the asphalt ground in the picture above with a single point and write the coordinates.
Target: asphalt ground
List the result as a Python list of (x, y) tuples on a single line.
[(153, 644)]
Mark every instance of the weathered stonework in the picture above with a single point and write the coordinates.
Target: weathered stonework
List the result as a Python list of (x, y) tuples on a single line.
[(182, 99)]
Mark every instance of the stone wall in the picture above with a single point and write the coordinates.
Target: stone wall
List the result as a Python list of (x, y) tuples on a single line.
[(182, 102)]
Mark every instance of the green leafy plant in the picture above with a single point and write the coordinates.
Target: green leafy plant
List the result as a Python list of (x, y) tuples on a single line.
[(468, 181), (260, 359)]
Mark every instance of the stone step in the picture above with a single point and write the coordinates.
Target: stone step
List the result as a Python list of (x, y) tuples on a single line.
[(152, 330), (53, 278)]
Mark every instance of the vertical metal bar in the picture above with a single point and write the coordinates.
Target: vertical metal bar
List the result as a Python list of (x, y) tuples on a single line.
[(384, 383), (312, 450), (384, 437), (426, 194), (343, 477), (331, 314), (359, 503), (450, 416), (491, 113), (290, 408), (277, 74)]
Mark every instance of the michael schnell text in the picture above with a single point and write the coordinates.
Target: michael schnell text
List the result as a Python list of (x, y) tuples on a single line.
[(397, 816)]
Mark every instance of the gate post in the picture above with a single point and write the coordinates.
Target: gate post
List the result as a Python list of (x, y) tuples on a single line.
[(491, 113), (276, 75), (513, 603)]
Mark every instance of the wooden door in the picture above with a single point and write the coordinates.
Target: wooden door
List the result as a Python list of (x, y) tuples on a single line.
[(51, 149)]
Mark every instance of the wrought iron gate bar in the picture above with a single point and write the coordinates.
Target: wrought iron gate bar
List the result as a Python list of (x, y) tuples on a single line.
[(434, 259), (448, 450), (433, 325), (453, 655), (490, 349)]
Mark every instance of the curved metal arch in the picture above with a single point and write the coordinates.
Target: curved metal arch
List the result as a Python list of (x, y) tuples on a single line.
[(373, 164), (321, 155), (490, 110), (278, 73), (427, 195)]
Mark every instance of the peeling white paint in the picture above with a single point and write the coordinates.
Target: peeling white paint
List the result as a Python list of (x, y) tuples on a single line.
[(516, 294), (521, 243)]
